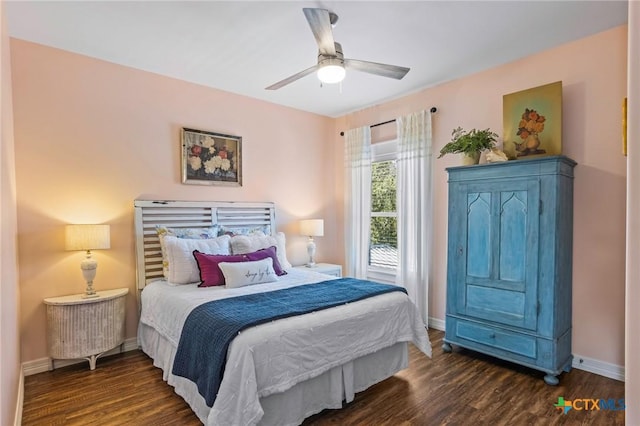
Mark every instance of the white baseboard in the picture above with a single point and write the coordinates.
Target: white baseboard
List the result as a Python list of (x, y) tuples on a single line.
[(19, 400), (601, 368), (41, 365), (436, 323)]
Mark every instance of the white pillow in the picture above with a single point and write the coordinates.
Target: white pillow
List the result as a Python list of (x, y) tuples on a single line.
[(241, 244), (240, 274), (182, 266), (189, 233)]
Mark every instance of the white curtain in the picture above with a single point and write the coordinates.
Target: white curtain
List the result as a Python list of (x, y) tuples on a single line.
[(357, 200), (414, 207)]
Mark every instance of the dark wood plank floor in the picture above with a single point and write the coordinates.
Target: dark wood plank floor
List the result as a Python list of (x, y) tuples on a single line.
[(461, 388)]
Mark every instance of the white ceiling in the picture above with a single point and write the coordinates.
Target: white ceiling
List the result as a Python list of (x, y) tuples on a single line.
[(243, 47)]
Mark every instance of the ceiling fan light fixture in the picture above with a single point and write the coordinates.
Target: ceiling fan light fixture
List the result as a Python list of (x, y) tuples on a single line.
[(331, 73)]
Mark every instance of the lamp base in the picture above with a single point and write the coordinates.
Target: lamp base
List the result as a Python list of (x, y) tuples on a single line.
[(90, 293), (311, 265), (311, 251), (89, 267), (90, 296)]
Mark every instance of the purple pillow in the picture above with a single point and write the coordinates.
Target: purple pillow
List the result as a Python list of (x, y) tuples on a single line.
[(263, 254), (210, 273)]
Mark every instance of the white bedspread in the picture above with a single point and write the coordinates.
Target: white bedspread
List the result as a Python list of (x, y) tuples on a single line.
[(273, 357)]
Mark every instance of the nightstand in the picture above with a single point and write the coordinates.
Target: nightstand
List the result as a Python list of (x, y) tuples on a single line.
[(324, 268), (85, 328)]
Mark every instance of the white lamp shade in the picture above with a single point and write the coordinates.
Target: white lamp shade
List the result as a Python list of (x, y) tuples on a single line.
[(87, 237), (312, 227)]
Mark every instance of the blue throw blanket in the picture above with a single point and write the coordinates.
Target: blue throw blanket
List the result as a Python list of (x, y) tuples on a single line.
[(210, 327)]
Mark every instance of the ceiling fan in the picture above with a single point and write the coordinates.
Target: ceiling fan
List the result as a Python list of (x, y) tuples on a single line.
[(331, 62)]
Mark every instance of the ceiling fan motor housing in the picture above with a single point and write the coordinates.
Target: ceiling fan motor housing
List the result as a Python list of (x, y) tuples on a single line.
[(338, 59)]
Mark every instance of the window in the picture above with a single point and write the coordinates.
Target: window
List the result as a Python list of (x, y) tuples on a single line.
[(383, 243)]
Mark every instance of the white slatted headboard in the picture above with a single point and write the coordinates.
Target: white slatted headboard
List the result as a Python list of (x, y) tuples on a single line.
[(188, 214)]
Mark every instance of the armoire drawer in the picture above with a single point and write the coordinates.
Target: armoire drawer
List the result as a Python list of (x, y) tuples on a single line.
[(495, 337)]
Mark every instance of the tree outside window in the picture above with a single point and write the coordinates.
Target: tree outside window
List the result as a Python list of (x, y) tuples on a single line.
[(383, 246)]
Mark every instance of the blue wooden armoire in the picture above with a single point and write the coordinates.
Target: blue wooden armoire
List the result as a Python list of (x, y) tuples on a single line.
[(509, 261)]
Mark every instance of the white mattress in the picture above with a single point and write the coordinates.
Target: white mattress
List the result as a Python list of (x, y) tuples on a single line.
[(274, 357)]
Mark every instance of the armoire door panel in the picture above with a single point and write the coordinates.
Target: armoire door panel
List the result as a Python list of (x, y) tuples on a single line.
[(501, 251), (513, 236), (505, 306), (479, 255)]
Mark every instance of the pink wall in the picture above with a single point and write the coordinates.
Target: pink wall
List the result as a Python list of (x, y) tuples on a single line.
[(10, 370), (593, 73), (92, 136)]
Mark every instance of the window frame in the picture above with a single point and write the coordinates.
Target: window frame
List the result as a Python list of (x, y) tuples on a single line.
[(383, 151)]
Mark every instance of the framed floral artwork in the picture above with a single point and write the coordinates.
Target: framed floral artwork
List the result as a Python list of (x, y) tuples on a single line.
[(211, 158), (532, 121)]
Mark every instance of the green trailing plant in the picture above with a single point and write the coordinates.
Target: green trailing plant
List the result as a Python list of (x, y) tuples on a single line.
[(470, 143)]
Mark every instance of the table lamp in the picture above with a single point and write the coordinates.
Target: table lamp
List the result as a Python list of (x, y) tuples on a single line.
[(312, 228), (87, 237)]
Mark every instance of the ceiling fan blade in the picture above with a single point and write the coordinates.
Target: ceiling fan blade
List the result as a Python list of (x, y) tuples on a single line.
[(384, 70), (293, 78), (320, 24)]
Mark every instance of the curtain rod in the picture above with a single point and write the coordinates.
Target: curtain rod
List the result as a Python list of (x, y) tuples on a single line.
[(432, 110)]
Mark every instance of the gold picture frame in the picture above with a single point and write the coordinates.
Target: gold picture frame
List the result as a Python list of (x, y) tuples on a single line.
[(210, 158), (532, 121)]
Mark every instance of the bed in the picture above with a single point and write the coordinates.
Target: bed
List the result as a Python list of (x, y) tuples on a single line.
[(281, 371)]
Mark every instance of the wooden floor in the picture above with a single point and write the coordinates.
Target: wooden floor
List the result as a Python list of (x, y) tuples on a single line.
[(461, 388)]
